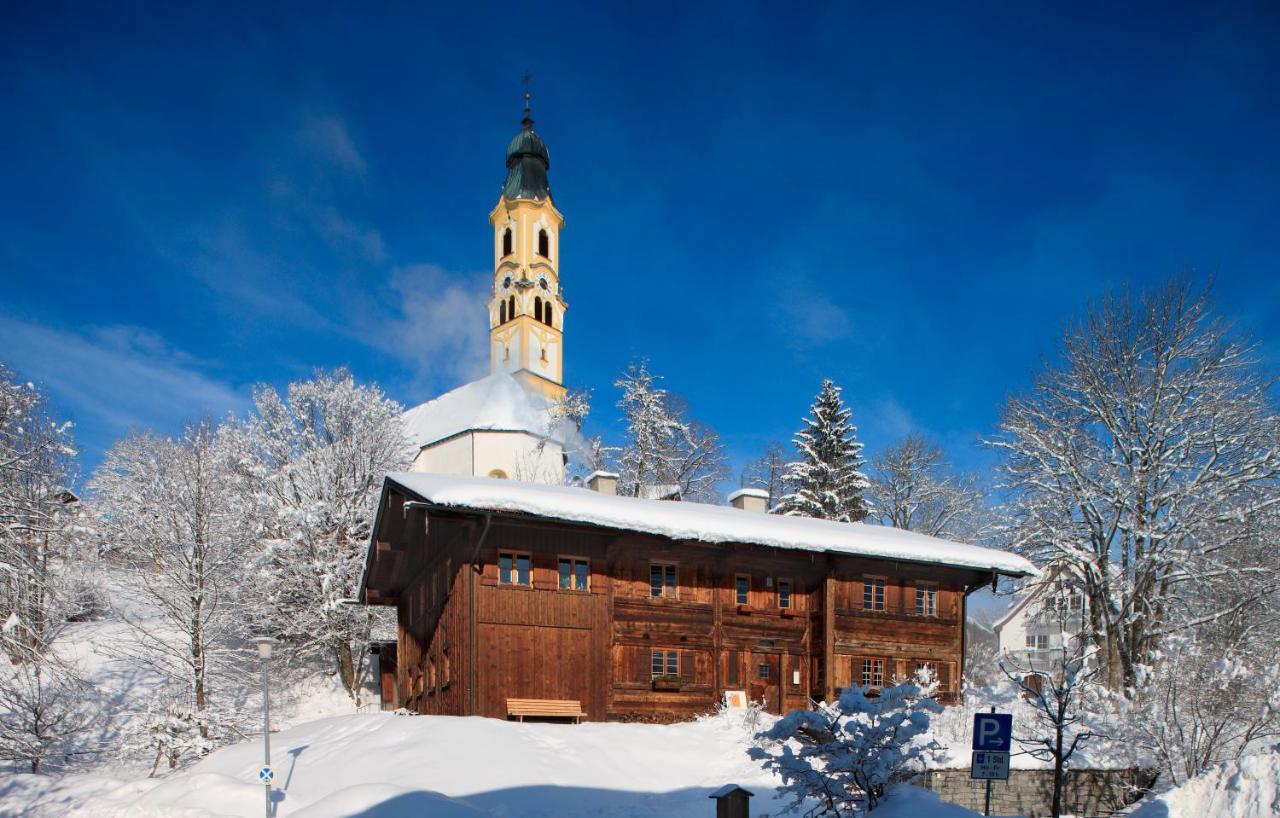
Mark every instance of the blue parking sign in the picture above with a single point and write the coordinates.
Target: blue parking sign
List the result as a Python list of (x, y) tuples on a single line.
[(993, 732)]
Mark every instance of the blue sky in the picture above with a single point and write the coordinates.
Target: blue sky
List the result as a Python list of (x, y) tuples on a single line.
[(910, 200)]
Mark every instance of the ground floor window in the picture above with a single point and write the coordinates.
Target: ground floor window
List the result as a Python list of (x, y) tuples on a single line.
[(664, 664), (872, 672)]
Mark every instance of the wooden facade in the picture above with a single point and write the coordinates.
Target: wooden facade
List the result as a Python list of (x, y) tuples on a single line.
[(493, 606)]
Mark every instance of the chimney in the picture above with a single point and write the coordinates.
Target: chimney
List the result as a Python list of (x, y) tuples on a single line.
[(605, 482), (756, 500)]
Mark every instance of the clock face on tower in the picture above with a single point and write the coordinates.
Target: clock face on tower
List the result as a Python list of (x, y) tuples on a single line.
[(506, 283), (543, 284)]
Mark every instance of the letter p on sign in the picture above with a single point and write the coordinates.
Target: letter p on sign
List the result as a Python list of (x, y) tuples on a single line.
[(992, 732)]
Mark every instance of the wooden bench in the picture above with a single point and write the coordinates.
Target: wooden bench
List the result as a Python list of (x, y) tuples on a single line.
[(545, 708)]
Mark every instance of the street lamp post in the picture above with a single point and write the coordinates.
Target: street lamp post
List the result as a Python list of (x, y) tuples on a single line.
[(264, 644)]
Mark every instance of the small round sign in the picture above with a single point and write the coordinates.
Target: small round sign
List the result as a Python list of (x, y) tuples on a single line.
[(266, 775)]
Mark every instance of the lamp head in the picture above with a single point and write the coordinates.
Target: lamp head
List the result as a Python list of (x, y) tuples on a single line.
[(264, 644)]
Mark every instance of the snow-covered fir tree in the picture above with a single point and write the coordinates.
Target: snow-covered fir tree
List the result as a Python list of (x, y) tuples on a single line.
[(316, 459), (828, 480), (843, 755)]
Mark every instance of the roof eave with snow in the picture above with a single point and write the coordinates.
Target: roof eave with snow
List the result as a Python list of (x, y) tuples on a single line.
[(701, 522)]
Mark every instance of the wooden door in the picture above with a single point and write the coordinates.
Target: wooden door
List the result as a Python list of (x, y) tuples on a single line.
[(763, 675)]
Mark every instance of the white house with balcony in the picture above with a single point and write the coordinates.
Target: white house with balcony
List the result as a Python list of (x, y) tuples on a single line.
[(1047, 617)]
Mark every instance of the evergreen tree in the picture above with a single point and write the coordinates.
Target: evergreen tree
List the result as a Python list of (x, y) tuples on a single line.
[(828, 479)]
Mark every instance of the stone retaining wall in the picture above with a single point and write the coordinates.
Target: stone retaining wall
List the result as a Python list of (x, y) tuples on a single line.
[(1086, 793)]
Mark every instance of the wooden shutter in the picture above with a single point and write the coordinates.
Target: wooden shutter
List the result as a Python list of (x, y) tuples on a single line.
[(688, 668)]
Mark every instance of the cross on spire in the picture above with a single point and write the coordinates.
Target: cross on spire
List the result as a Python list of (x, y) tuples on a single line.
[(528, 116)]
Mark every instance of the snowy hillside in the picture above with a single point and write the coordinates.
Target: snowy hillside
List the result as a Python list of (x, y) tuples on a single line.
[(389, 766)]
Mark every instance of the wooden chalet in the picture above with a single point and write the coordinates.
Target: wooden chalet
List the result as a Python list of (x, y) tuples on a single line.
[(650, 610)]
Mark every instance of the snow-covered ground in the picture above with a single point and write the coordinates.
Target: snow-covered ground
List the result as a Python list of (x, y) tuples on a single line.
[(1248, 788), (388, 766)]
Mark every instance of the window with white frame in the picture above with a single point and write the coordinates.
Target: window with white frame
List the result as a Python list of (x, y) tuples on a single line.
[(873, 593), (664, 664), (926, 599)]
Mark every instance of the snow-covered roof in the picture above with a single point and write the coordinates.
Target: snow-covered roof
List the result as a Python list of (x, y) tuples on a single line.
[(702, 522), (749, 492), (498, 402)]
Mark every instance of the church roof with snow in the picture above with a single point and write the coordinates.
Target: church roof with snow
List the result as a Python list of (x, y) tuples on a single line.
[(701, 522), (499, 402)]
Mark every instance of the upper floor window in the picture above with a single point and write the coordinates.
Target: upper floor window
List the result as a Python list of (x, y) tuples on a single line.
[(926, 599), (742, 589), (515, 568), (873, 593), (546, 313), (537, 308), (511, 308), (873, 673), (1037, 641), (502, 312), (544, 244), (784, 593), (506, 242), (574, 574), (662, 579)]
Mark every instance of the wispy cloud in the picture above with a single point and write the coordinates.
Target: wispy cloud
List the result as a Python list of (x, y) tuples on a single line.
[(327, 140), (119, 376), (437, 327), (814, 319)]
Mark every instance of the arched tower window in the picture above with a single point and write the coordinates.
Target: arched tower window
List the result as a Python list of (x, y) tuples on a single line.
[(506, 242), (544, 244), (511, 308), (502, 312), (546, 314), (537, 308)]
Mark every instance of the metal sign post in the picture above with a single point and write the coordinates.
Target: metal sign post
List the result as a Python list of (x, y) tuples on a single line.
[(992, 741)]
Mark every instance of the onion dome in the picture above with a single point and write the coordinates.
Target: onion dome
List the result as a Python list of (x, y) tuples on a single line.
[(527, 163)]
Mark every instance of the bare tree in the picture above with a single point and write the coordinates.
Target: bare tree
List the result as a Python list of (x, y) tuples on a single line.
[(177, 514), (316, 460), (1061, 698), (35, 462), (1137, 463), (45, 712), (913, 488), (768, 473), (663, 447)]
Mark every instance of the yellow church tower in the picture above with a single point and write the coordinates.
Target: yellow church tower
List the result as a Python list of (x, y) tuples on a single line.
[(527, 310)]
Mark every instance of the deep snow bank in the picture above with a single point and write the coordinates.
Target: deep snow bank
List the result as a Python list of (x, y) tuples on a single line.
[(387, 766), (1248, 788)]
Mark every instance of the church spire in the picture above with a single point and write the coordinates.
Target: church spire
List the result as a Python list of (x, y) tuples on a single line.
[(527, 160), (527, 310)]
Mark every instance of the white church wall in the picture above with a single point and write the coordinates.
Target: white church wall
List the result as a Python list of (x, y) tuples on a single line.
[(518, 456), (511, 455), (452, 456)]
